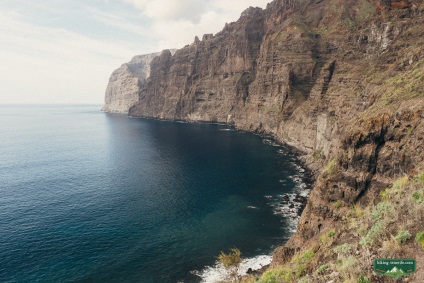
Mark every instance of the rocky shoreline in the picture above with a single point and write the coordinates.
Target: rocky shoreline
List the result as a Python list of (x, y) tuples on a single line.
[(341, 82)]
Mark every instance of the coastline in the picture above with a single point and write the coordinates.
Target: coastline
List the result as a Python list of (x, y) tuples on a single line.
[(288, 206)]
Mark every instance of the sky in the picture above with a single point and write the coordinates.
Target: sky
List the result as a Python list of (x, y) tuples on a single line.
[(63, 51)]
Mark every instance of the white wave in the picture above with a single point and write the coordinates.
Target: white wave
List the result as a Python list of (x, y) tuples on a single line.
[(212, 274), (252, 207)]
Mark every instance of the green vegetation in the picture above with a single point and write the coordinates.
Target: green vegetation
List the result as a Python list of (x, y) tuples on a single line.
[(233, 258), (419, 238), (318, 154), (343, 250), (417, 197), (403, 236), (363, 279), (383, 210), (419, 179), (403, 85), (231, 262), (347, 263), (295, 270), (366, 10), (331, 166), (276, 275), (305, 279), (375, 231), (337, 204), (365, 232), (322, 268)]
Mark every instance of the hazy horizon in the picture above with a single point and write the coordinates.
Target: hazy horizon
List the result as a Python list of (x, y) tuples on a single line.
[(63, 52)]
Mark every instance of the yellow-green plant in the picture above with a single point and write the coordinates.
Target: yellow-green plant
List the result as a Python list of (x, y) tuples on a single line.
[(402, 236), (419, 238), (331, 166), (231, 262), (276, 275)]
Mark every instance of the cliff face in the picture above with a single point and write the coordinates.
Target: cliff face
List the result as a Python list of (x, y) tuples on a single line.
[(341, 80), (124, 83), (278, 71), (300, 70)]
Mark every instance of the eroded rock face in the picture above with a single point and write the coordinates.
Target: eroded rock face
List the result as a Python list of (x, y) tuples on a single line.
[(306, 75), (124, 85), (207, 80), (344, 87)]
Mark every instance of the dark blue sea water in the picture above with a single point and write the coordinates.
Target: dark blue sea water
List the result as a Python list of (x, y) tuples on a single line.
[(87, 196)]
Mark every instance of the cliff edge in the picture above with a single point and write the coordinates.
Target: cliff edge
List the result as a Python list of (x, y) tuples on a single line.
[(123, 88), (343, 82)]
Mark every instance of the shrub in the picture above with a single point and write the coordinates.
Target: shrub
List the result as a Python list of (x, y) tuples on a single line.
[(403, 182), (363, 279), (331, 234), (347, 263), (331, 166), (419, 178), (386, 194), (419, 238), (233, 258), (417, 196), (276, 275), (375, 231), (344, 249), (231, 262), (338, 204), (403, 236), (382, 210), (318, 154), (357, 211), (362, 230), (400, 183), (299, 262), (322, 268), (327, 239), (306, 257)]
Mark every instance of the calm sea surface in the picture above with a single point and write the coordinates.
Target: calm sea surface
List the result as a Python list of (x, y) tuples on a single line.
[(87, 196)]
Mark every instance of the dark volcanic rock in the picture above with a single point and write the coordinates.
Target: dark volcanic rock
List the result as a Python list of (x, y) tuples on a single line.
[(339, 80), (309, 77)]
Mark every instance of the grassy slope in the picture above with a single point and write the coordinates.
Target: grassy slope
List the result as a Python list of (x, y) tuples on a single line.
[(344, 253)]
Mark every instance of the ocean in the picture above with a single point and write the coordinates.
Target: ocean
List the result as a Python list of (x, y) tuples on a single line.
[(87, 196)]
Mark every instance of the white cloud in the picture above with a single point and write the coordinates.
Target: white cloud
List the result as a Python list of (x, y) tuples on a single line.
[(119, 22), (64, 51), (176, 23), (54, 65), (170, 10)]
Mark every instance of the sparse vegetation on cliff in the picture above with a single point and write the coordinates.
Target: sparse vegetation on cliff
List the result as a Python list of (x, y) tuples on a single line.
[(341, 80), (366, 232), (231, 262)]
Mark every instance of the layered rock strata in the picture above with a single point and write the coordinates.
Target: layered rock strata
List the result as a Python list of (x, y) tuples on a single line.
[(340, 80)]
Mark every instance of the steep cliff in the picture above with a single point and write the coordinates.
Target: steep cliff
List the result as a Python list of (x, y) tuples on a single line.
[(125, 82), (340, 80)]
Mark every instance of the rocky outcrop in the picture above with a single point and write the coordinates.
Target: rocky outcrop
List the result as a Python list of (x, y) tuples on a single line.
[(124, 84), (122, 92)]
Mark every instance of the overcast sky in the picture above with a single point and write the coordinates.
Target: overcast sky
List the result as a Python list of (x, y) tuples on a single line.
[(63, 51)]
